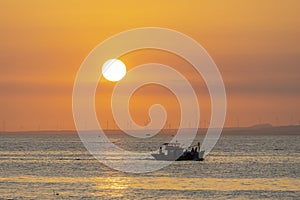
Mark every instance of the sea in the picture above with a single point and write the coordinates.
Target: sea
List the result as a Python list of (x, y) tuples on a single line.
[(53, 166)]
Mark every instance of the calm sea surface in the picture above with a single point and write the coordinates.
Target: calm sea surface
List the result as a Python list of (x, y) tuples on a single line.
[(239, 167)]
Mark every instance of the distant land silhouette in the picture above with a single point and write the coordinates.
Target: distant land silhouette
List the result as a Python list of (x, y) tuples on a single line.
[(260, 126), (258, 129)]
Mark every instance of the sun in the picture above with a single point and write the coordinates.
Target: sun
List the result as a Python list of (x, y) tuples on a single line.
[(113, 70)]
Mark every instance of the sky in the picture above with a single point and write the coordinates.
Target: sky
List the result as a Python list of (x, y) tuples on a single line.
[(255, 44)]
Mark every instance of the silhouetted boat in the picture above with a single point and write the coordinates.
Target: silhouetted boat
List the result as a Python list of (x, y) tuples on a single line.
[(173, 151)]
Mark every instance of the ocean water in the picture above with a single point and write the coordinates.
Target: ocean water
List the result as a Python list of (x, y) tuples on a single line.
[(239, 167)]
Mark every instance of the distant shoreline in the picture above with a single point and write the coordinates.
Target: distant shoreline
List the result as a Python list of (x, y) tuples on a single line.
[(253, 130)]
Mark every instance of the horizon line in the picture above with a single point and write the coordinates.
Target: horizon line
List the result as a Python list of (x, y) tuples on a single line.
[(256, 126)]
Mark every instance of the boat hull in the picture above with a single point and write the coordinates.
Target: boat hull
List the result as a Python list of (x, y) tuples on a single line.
[(183, 157)]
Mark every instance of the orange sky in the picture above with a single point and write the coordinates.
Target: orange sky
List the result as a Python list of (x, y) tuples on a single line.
[(256, 45)]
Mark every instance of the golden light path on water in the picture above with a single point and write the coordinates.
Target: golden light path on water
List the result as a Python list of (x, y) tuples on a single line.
[(166, 183)]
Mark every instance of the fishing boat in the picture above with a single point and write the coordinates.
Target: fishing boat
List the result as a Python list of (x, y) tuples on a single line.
[(174, 152)]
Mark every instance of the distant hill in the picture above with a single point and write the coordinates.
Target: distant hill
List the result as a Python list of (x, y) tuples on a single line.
[(263, 129), (260, 126)]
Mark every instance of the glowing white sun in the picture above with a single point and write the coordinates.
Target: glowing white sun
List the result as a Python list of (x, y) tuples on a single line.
[(113, 69)]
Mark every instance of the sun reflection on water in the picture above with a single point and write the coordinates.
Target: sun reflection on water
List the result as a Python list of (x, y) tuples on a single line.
[(169, 183)]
